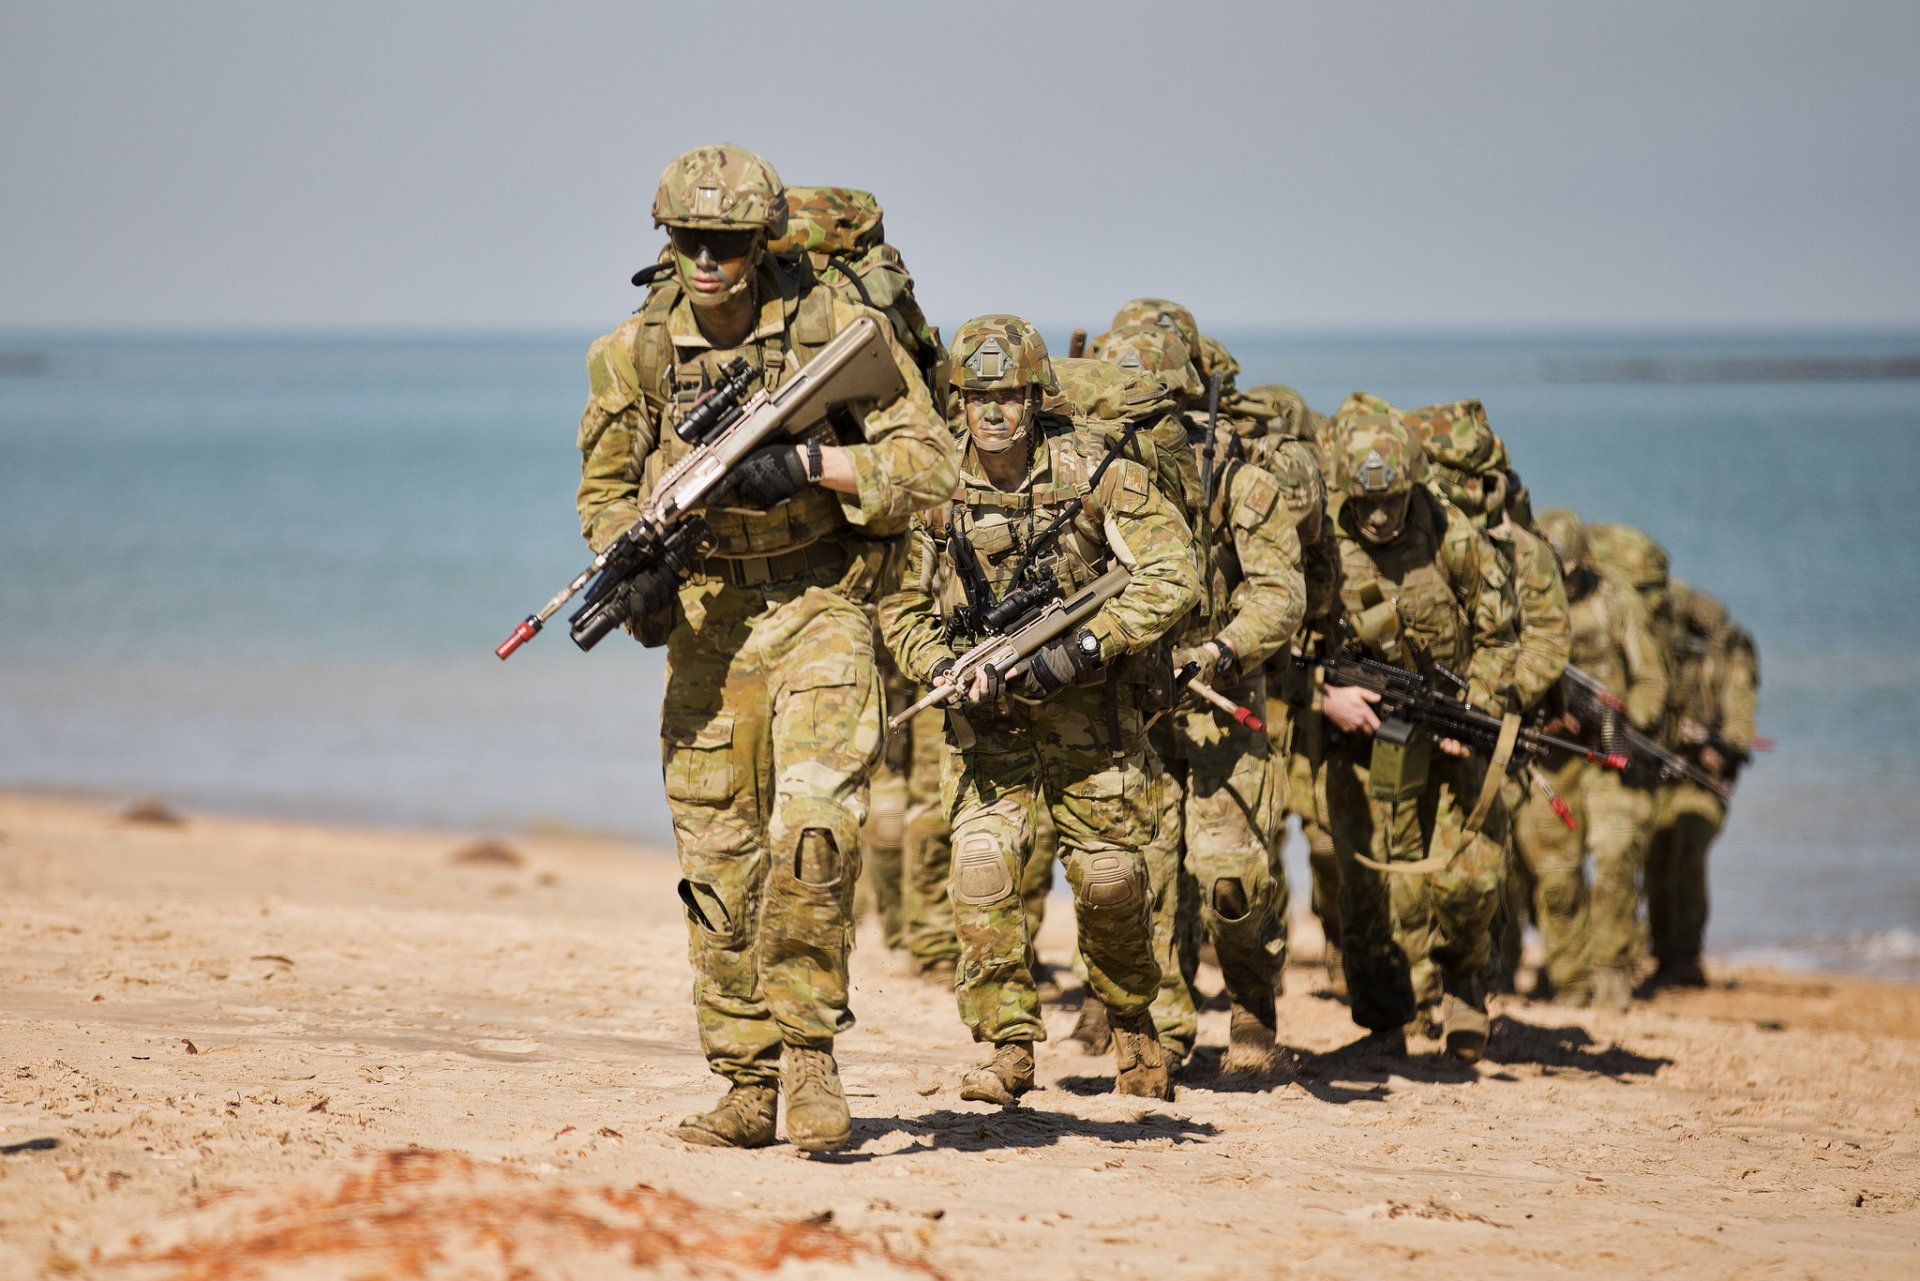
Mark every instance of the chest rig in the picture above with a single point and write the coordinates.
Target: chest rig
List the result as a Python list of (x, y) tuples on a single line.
[(1003, 533), (674, 373), (1400, 599)]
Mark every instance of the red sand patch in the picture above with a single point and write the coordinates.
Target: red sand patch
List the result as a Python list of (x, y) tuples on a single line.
[(421, 1215)]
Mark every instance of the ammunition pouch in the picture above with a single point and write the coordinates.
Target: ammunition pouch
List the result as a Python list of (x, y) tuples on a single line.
[(1402, 753)]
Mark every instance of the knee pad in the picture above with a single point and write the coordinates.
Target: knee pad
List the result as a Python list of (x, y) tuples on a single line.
[(1110, 879), (887, 816), (816, 858), (980, 872), (1230, 899)]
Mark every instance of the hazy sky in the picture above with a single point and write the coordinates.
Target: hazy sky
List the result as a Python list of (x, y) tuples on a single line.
[(1411, 164)]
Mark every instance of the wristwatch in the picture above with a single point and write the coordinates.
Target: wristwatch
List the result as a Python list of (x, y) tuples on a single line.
[(1089, 646), (815, 467)]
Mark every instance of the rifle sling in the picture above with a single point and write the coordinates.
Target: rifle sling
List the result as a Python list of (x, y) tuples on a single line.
[(1489, 788)]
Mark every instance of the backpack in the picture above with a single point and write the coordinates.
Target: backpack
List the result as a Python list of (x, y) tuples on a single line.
[(1102, 400)]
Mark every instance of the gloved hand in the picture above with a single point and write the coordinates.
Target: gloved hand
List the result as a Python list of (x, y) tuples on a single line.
[(1061, 661), (1215, 668), (767, 477)]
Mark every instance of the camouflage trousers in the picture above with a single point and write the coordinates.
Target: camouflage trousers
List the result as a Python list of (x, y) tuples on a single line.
[(1581, 927), (1214, 868), (1301, 738), (998, 761), (1687, 819), (882, 888), (928, 853), (1407, 938), (770, 728)]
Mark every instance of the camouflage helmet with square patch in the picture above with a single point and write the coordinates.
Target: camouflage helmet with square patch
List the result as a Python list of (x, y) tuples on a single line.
[(1000, 352), (1379, 457), (1158, 353), (723, 188)]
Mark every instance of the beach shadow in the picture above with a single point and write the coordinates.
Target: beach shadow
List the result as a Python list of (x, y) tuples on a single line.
[(1347, 1075), (1567, 1049), (1014, 1127)]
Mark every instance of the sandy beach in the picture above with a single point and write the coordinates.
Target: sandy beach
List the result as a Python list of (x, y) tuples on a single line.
[(243, 1049)]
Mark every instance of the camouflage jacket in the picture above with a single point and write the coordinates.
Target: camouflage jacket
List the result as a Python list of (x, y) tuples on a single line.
[(1300, 467), (1545, 635), (1440, 592), (1123, 519), (1715, 689), (1253, 596), (1614, 643), (648, 373)]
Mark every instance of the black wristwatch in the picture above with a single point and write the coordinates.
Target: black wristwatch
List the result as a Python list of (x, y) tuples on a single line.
[(1089, 646), (816, 466), (1229, 661)]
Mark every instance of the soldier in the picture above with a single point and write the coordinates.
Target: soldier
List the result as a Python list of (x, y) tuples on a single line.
[(1071, 727), (1591, 942), (1711, 704), (1419, 587), (771, 713), (1222, 822)]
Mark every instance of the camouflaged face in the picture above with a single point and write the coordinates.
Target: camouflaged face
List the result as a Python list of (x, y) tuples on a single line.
[(830, 220), (724, 187), (1628, 554), (1155, 352), (1561, 527), (993, 353), (1379, 456)]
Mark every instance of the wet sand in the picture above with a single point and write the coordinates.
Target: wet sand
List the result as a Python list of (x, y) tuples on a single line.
[(237, 1048)]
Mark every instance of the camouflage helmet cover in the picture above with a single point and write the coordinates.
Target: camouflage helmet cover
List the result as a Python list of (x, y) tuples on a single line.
[(1161, 312), (723, 188), (1457, 436), (1159, 353), (1561, 527), (1628, 554), (1379, 457), (998, 352)]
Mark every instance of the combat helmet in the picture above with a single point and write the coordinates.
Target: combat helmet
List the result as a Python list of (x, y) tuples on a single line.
[(1000, 352), (721, 188), (1157, 352), (1561, 527), (1379, 457), (1161, 312)]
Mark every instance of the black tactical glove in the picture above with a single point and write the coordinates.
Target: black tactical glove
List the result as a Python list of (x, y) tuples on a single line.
[(767, 477), (1062, 661)]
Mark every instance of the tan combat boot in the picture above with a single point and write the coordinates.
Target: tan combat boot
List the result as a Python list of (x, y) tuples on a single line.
[(1250, 1032), (1091, 1031), (1004, 1077), (817, 1119), (1140, 1061), (1612, 989), (1465, 1018), (743, 1119)]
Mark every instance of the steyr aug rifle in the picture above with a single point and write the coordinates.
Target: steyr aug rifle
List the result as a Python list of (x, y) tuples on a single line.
[(723, 427)]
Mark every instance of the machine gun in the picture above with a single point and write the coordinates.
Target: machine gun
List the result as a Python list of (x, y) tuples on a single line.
[(1590, 699), (1409, 698), (723, 427), (1003, 653)]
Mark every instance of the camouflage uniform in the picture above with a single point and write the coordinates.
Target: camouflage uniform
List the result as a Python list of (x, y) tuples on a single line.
[(771, 713), (1435, 588), (1612, 643), (1216, 860), (1083, 748), (882, 884), (1712, 703)]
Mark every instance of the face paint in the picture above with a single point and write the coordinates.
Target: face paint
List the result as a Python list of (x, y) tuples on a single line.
[(1380, 519), (714, 266), (995, 419)]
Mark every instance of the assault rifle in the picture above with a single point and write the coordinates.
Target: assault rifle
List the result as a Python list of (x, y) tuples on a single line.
[(1410, 698), (723, 427), (1003, 652), (1592, 700)]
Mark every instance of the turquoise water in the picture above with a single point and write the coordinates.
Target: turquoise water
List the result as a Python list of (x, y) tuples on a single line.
[(267, 575)]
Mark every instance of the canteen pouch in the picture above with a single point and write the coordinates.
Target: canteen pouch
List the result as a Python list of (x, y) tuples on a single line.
[(1378, 628), (1402, 752)]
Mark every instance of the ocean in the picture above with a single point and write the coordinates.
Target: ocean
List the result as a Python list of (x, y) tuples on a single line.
[(266, 575)]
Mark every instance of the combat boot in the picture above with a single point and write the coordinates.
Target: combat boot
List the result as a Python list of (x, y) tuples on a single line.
[(1140, 1061), (1380, 1042), (1004, 1077), (743, 1119), (1465, 1015), (817, 1119), (1250, 1031), (1336, 969), (1091, 1031), (1612, 989), (1680, 974)]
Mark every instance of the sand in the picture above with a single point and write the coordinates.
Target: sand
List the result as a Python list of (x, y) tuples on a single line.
[(238, 1048)]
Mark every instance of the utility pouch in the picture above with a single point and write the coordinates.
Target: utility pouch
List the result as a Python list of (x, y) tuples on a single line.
[(1378, 628), (1401, 753)]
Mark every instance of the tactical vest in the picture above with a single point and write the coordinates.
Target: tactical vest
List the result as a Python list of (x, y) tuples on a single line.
[(1399, 597), (672, 381)]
